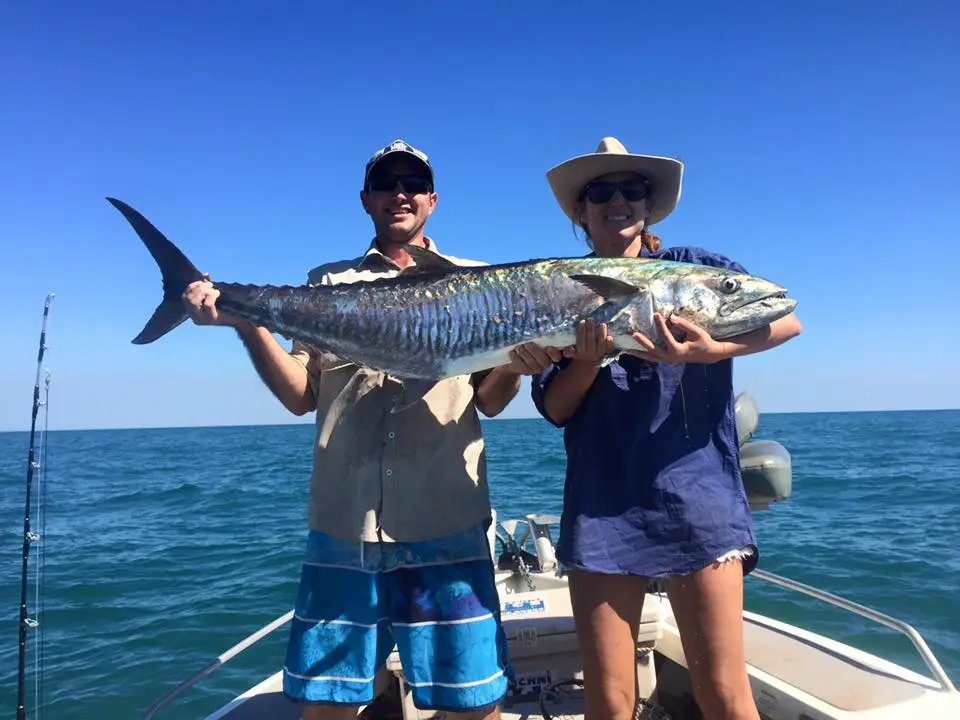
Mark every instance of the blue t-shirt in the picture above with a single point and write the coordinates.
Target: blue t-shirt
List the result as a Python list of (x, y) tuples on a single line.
[(653, 485)]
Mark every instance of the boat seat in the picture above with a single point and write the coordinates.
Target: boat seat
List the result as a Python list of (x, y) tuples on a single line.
[(544, 649), (541, 622)]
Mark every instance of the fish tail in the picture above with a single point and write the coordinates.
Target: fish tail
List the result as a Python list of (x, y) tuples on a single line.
[(176, 269)]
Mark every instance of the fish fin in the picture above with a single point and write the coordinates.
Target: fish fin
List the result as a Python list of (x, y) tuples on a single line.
[(608, 287), (330, 362), (427, 259), (611, 357), (177, 272), (411, 392)]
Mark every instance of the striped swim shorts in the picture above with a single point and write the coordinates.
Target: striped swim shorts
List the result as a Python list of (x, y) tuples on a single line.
[(436, 601)]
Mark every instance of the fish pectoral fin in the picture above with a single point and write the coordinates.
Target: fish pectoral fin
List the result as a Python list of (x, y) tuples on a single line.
[(412, 391), (611, 357), (608, 287), (426, 260), (330, 362)]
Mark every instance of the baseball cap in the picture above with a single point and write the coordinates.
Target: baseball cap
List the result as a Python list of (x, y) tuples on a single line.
[(397, 146)]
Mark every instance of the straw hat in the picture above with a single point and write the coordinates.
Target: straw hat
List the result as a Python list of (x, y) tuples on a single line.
[(665, 176)]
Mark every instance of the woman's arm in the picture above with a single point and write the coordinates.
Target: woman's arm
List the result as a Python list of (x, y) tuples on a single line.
[(776, 333), (698, 347), (566, 391)]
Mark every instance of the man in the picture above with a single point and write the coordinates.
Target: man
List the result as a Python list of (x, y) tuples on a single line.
[(399, 506)]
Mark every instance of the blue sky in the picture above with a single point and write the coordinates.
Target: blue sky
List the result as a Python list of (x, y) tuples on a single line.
[(819, 142)]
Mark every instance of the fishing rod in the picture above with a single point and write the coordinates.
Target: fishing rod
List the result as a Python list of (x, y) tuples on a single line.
[(34, 462)]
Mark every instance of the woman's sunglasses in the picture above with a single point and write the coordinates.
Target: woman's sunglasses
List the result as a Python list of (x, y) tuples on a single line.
[(413, 184), (602, 191)]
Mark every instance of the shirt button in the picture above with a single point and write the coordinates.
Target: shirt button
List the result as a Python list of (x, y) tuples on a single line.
[(389, 472), (391, 434)]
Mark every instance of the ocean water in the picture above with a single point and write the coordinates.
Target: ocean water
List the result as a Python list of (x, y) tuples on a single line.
[(165, 547)]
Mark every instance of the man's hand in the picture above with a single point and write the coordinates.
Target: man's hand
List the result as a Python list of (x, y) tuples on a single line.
[(199, 301), (696, 345), (530, 358)]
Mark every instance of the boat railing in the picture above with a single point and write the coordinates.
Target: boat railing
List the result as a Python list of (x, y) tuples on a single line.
[(220, 660), (863, 611)]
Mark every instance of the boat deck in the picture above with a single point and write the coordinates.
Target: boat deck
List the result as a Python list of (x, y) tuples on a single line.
[(267, 702), (804, 664), (820, 671), (794, 673)]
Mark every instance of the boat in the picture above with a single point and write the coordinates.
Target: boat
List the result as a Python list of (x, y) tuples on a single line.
[(795, 674)]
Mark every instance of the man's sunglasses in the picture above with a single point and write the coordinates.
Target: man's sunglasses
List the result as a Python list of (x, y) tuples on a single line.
[(602, 191), (414, 184)]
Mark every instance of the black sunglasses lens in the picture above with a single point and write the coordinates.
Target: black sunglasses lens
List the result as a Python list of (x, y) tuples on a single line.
[(603, 191), (634, 190), (600, 192), (410, 183)]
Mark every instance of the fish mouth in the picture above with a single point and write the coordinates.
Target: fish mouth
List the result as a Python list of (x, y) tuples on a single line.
[(773, 303)]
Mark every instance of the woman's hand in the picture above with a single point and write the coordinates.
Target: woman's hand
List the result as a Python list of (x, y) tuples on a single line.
[(696, 345), (592, 342)]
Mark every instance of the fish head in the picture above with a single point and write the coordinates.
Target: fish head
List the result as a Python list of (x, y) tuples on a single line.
[(725, 303)]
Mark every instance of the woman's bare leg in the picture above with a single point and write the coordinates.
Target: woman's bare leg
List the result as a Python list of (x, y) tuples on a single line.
[(709, 609), (606, 610)]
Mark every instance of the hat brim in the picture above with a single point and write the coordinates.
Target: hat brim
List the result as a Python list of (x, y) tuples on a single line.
[(665, 176)]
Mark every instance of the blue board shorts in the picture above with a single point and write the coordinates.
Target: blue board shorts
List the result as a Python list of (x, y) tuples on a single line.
[(436, 600)]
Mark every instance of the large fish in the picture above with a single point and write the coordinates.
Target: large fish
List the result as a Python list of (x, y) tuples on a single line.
[(436, 320)]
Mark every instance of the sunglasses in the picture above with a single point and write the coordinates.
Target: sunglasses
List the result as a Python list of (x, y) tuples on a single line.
[(414, 184), (602, 191)]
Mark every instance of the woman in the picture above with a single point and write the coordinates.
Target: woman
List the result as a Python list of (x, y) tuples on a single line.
[(653, 487)]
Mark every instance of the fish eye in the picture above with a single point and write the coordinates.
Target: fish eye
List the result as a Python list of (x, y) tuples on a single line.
[(729, 285)]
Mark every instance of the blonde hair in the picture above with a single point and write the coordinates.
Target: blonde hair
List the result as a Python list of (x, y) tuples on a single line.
[(649, 239)]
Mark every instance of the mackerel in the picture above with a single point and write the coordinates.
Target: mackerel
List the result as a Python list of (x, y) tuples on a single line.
[(436, 320)]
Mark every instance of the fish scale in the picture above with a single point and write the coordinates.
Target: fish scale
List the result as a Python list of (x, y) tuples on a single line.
[(437, 320)]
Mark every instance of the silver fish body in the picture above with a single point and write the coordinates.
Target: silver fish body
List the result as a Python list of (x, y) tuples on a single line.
[(437, 320)]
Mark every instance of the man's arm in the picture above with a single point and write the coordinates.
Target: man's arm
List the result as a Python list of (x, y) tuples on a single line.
[(495, 389), (286, 377)]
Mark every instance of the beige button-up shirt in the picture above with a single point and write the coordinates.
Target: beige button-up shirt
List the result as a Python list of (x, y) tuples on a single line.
[(416, 475)]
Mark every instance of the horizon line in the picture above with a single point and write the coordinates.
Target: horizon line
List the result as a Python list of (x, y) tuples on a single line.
[(294, 423)]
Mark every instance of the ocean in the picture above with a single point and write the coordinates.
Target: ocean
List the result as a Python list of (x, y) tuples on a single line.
[(165, 547)]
